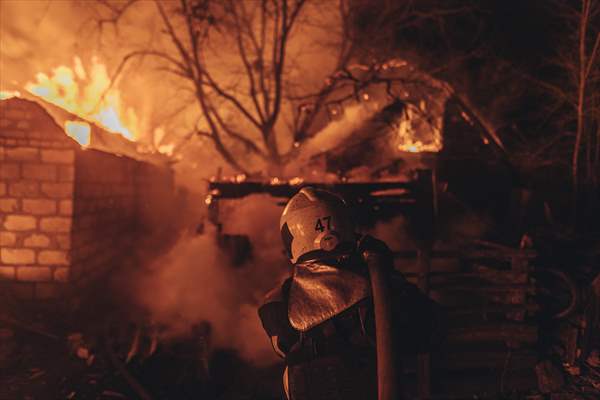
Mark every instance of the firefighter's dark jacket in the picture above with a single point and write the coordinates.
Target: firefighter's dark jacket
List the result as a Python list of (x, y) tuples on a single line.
[(305, 329)]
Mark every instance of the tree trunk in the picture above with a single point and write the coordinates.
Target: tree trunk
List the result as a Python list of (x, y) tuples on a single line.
[(583, 21)]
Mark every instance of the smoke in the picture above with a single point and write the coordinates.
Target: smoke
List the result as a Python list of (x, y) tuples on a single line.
[(197, 281), (394, 233), (36, 35), (337, 131)]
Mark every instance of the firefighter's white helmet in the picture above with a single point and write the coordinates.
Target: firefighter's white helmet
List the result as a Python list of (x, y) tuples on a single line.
[(315, 224)]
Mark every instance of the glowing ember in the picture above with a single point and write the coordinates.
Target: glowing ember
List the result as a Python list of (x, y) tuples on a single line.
[(418, 147), (466, 117), (296, 181), (240, 178), (88, 95), (79, 130), (411, 148)]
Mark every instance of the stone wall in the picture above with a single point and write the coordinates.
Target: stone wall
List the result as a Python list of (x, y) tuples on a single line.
[(67, 214)]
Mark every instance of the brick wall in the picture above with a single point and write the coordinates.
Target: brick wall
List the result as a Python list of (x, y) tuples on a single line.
[(104, 217), (67, 214), (156, 205), (36, 189)]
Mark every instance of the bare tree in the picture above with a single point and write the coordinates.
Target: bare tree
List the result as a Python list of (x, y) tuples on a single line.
[(583, 70), (242, 112), (578, 94), (255, 91)]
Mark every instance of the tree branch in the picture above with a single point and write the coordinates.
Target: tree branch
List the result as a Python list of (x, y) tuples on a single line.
[(248, 143), (593, 55), (116, 12), (175, 39), (247, 64)]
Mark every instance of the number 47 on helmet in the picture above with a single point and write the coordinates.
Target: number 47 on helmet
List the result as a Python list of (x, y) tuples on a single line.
[(316, 224)]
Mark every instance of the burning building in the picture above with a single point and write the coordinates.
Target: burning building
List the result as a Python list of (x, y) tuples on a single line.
[(70, 213), (84, 192)]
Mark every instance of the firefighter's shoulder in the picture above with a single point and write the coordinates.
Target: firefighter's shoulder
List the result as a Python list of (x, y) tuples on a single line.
[(273, 311), (278, 294)]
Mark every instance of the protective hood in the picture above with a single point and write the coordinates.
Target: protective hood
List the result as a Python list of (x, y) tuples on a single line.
[(320, 291)]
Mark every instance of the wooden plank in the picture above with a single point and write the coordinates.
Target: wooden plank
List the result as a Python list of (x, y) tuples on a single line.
[(482, 288), (500, 276), (237, 190), (484, 383), (495, 332), (488, 274), (449, 298), (509, 359), (472, 254), (491, 309)]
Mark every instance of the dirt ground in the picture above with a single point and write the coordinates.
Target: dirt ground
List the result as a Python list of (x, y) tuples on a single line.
[(40, 368), (35, 367)]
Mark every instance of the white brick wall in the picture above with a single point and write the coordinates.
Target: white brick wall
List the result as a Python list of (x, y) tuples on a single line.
[(36, 199)]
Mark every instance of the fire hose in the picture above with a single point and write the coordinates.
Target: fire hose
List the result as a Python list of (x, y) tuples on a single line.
[(388, 385)]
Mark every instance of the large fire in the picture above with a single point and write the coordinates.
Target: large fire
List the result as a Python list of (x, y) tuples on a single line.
[(89, 95)]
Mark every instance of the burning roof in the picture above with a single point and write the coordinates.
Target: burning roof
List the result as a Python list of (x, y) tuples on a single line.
[(390, 117), (87, 104), (92, 135)]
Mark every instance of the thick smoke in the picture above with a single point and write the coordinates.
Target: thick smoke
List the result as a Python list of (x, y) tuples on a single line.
[(197, 281), (34, 36), (337, 131)]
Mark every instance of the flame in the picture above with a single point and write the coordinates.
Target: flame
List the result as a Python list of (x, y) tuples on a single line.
[(79, 130), (416, 146), (89, 95), (7, 94), (414, 136), (239, 178), (296, 181), (167, 149)]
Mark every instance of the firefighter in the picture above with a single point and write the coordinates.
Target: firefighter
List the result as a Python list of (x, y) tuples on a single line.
[(344, 316)]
